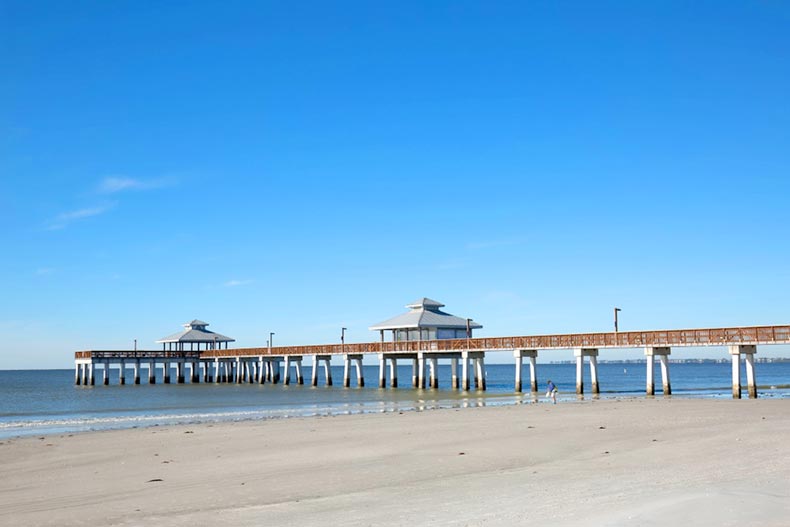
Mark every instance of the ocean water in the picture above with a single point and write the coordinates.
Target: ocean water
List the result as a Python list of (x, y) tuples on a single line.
[(39, 402)]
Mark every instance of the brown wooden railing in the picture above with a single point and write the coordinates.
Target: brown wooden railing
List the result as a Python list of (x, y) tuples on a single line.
[(624, 339)]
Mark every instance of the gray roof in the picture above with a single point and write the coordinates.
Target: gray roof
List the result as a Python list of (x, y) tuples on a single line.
[(425, 313), (196, 331)]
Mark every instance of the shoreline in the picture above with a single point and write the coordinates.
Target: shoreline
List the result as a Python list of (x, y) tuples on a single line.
[(650, 459)]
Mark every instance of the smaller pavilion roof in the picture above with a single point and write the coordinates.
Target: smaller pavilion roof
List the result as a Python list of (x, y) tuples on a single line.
[(425, 313), (196, 331)]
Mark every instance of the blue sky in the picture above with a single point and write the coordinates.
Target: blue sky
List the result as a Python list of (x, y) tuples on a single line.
[(299, 167)]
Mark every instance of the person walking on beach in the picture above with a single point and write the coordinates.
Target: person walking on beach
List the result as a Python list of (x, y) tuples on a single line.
[(551, 391)]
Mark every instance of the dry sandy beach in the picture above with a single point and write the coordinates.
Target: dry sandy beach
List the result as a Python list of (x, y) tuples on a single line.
[(610, 462)]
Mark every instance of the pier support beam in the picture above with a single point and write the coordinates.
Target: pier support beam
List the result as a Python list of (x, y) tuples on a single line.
[(152, 372), (92, 371), (382, 370), (298, 365), (454, 373), (314, 381), (105, 373), (287, 377), (414, 377), (465, 370), (481, 373), (194, 372), (346, 371), (328, 370), (77, 374), (736, 351), (122, 372), (360, 374), (663, 354), (580, 353), (532, 356), (137, 371), (393, 372), (434, 373), (180, 372), (166, 372), (421, 371)]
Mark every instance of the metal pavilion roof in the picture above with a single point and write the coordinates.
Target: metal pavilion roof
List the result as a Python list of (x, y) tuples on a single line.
[(425, 313), (196, 331)]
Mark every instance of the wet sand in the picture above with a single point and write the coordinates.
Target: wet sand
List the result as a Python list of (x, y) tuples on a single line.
[(645, 462)]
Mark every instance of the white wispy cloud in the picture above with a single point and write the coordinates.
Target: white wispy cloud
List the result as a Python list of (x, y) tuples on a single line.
[(115, 184), (237, 283), (61, 221), (44, 271)]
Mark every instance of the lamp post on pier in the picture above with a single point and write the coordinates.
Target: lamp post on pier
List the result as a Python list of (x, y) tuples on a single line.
[(343, 340), (271, 341), (616, 328)]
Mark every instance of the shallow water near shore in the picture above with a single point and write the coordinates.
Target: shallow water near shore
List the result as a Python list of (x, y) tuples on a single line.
[(40, 402)]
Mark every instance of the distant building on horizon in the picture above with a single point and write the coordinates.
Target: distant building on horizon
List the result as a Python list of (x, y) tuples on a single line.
[(195, 334), (425, 321)]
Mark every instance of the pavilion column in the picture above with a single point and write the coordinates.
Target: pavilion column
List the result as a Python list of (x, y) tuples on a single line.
[(454, 373), (393, 372), (316, 365), (122, 372), (421, 371), (106, 373), (194, 372), (216, 371), (76, 374), (382, 371), (92, 371), (414, 376), (328, 370), (84, 372), (180, 371), (360, 374), (166, 371), (346, 371), (152, 371), (465, 370), (434, 373), (137, 371)]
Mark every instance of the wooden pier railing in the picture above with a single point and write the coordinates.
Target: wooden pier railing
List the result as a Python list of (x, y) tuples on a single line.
[(625, 339)]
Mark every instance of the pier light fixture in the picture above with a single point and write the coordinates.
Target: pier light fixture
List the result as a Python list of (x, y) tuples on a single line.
[(271, 339), (616, 310)]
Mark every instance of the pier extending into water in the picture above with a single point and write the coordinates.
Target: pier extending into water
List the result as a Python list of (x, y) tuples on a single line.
[(284, 363)]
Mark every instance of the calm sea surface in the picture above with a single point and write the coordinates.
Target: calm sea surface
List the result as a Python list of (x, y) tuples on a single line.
[(47, 401)]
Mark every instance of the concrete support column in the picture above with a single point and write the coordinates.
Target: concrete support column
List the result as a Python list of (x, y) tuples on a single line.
[(180, 372), (580, 353), (360, 374), (328, 370), (736, 351), (481, 373), (594, 374), (239, 373), (314, 381), (276, 371), (122, 372), (414, 377), (217, 378), (663, 355), (382, 371), (166, 372), (287, 367), (517, 355), (454, 373), (299, 377), (434, 373), (76, 374), (92, 372), (106, 372), (750, 381), (665, 373), (152, 372), (84, 372), (137, 371), (393, 372), (465, 370), (194, 372), (346, 371), (533, 372), (420, 371)]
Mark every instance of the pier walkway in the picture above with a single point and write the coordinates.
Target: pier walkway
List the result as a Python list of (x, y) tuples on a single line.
[(273, 364)]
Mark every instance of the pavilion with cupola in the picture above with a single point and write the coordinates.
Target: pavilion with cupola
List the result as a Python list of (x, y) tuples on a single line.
[(426, 321), (194, 335)]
